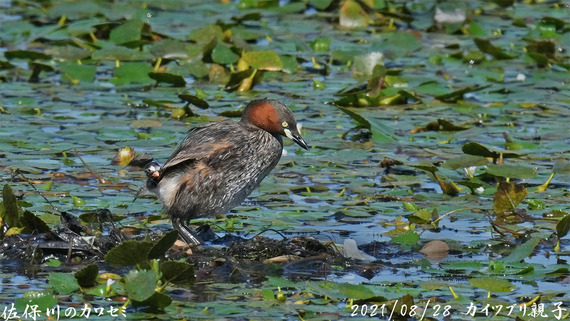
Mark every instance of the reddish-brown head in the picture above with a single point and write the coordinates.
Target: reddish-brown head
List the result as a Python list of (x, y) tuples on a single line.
[(274, 117)]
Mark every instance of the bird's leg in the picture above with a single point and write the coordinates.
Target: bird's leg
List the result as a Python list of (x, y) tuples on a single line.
[(185, 232)]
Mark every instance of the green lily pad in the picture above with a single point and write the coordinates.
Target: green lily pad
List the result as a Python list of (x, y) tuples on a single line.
[(458, 94), (140, 284), (198, 69), (206, 34), (169, 78), (169, 49), (563, 227), (178, 273), (63, 283), (72, 72), (508, 196), (379, 132), (163, 245), (32, 223), (422, 216), (478, 149), (511, 171), (133, 72), (87, 276), (194, 100), (355, 291), (263, 60), (486, 46), (320, 4), (129, 253), (465, 161), (321, 44), (492, 284), (9, 211), (223, 54), (120, 53), (522, 251), (157, 301), (408, 237), (42, 299), (127, 32), (26, 54)]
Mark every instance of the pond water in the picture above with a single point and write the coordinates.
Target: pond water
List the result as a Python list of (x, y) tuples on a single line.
[(510, 96)]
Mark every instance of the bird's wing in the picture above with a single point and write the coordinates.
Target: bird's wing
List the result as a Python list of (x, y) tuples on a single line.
[(202, 143)]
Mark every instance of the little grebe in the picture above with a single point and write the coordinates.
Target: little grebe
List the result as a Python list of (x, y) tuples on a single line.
[(219, 164)]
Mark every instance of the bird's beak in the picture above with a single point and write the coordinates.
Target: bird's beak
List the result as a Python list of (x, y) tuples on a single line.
[(296, 137)]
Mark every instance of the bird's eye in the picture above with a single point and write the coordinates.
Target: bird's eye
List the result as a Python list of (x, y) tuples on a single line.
[(284, 124)]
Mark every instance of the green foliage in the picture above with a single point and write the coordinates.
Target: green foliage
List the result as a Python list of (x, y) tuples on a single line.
[(63, 283), (428, 104), (129, 253)]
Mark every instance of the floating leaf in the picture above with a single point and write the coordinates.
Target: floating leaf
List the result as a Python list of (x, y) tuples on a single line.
[(355, 291), (465, 161), (157, 301), (561, 166), (486, 46), (447, 187), (145, 123), (41, 299), (206, 34), (129, 253), (194, 100), (218, 75), (492, 284), (63, 283), (508, 196), (132, 72), (474, 148), (563, 226), (440, 125), (522, 251), (264, 60), (10, 215), (379, 132), (169, 78), (166, 241), (169, 49), (198, 69), (127, 32), (77, 201), (26, 54), (32, 223), (320, 4), (223, 54), (120, 53), (421, 216), (74, 73), (178, 273), (408, 237), (87, 276), (140, 284), (458, 94), (321, 44), (511, 171)]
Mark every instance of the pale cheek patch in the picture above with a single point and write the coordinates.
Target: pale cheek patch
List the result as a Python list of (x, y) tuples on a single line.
[(288, 133)]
